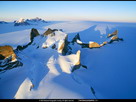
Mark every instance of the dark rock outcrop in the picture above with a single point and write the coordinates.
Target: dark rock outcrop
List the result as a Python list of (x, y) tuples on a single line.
[(6, 64), (49, 31), (66, 47), (114, 37), (78, 67), (33, 34), (19, 47), (77, 37), (2, 57), (84, 45)]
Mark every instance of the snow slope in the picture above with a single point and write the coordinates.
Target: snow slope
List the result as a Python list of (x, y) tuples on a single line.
[(110, 69), (15, 38)]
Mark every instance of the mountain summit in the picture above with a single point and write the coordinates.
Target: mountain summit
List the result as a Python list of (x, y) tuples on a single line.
[(33, 21)]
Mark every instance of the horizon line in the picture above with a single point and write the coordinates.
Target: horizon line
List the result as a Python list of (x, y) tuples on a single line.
[(116, 21)]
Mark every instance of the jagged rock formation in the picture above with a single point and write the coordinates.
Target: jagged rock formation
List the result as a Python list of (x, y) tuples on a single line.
[(114, 33), (77, 37), (85, 45), (8, 58), (54, 41), (115, 38), (49, 31), (92, 44), (33, 33)]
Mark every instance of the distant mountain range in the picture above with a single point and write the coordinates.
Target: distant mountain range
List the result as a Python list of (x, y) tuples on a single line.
[(32, 21), (3, 22)]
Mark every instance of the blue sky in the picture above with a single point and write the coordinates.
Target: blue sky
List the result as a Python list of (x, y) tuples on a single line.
[(122, 11)]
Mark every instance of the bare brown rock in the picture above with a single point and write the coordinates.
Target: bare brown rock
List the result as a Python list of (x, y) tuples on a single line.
[(49, 31), (114, 33), (7, 51), (114, 38), (94, 45)]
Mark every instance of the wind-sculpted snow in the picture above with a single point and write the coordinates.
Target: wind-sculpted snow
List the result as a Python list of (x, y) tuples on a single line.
[(107, 72), (57, 67)]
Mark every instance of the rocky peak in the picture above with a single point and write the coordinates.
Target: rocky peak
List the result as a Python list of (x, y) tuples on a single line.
[(77, 37), (7, 51), (33, 33), (112, 34), (115, 38)]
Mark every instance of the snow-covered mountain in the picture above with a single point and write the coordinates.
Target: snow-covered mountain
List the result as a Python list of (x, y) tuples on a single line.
[(83, 60), (25, 22), (21, 22), (36, 20)]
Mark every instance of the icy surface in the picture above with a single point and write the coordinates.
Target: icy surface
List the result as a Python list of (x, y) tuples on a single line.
[(110, 69)]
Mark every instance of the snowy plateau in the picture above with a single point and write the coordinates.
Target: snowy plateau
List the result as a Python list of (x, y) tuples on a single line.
[(68, 60)]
